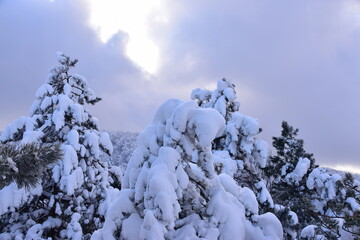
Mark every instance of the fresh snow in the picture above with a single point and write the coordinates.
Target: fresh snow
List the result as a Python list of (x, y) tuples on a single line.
[(184, 176)]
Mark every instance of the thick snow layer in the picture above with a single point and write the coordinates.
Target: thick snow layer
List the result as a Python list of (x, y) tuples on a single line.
[(300, 170), (293, 218), (249, 126), (105, 142), (131, 227), (244, 195), (181, 116), (161, 186), (267, 227), (228, 214), (230, 94), (207, 123), (165, 110), (45, 89), (308, 232), (32, 136), (69, 183), (58, 119), (202, 95), (13, 128), (225, 163), (73, 139), (248, 199), (64, 102), (12, 197), (115, 214), (220, 105), (74, 228), (46, 102), (78, 113), (355, 206), (92, 140), (264, 195), (323, 182), (263, 152)]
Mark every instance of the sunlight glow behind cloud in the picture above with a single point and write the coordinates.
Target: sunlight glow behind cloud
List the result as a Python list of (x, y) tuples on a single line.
[(133, 18)]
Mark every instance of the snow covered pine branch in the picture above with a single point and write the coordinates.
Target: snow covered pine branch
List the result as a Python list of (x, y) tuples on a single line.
[(25, 164)]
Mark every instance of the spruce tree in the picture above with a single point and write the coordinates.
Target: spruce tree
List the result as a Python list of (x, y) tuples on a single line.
[(70, 203)]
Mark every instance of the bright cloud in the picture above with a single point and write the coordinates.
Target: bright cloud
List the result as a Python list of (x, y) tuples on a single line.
[(133, 18)]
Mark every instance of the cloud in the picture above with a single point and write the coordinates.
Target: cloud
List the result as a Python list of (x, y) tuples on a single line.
[(296, 60), (34, 30), (291, 60)]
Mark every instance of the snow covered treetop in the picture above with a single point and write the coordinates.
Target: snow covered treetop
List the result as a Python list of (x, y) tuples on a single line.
[(73, 86), (222, 99)]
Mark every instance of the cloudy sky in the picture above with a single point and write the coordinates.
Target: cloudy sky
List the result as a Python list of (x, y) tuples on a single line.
[(290, 60)]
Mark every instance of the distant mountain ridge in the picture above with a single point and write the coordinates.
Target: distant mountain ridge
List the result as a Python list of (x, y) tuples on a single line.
[(124, 144)]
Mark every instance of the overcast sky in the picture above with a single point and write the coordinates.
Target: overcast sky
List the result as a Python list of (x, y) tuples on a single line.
[(290, 60)]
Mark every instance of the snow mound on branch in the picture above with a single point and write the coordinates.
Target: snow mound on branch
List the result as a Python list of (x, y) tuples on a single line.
[(207, 124), (300, 170), (11, 197), (308, 232), (323, 182), (165, 110)]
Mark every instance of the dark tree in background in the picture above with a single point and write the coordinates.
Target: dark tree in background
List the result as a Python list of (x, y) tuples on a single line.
[(286, 172), (324, 202)]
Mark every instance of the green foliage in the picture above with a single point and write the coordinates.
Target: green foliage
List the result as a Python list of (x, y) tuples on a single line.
[(288, 151), (25, 164), (335, 216), (292, 194)]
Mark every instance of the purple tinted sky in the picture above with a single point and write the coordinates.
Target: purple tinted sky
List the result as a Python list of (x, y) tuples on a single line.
[(291, 60)]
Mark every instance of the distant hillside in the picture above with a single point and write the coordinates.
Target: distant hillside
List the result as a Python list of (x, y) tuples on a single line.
[(125, 142)]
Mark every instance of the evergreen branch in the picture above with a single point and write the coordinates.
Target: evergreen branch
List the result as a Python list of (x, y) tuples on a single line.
[(25, 164)]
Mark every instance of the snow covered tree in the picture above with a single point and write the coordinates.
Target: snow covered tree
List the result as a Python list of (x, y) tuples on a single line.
[(239, 142), (25, 164), (352, 205), (71, 201), (336, 204), (287, 172), (310, 202), (172, 191)]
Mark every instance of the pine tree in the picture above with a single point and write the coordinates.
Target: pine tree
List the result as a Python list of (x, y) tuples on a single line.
[(352, 206), (337, 204), (287, 172), (326, 205), (171, 189), (70, 203), (26, 164)]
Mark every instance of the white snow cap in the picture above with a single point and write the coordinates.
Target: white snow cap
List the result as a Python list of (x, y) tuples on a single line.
[(308, 232), (300, 170)]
